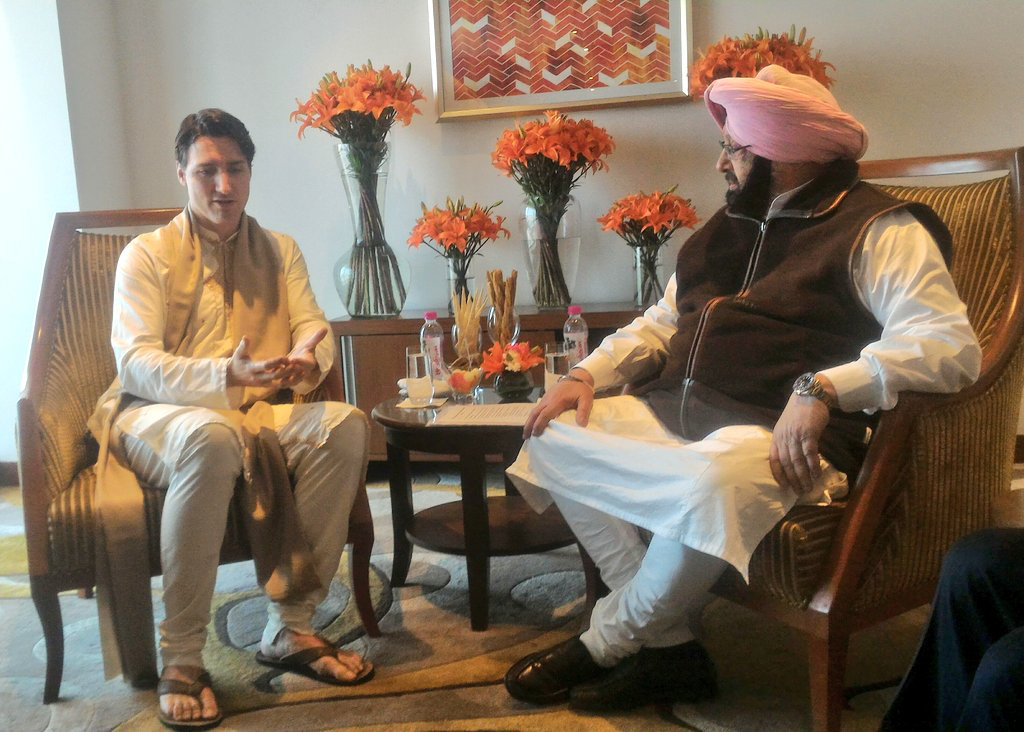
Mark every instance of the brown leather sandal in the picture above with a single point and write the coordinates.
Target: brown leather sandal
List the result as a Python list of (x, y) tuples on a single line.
[(299, 663), (193, 689)]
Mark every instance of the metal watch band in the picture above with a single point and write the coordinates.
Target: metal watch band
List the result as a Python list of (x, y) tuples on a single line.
[(570, 377)]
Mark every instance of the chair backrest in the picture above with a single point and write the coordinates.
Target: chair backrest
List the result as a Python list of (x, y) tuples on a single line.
[(938, 462), (71, 361)]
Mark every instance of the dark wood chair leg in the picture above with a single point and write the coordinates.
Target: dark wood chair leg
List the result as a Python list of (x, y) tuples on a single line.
[(47, 602), (827, 663), (359, 571)]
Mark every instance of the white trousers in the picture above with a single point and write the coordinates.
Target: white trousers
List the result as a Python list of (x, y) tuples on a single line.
[(198, 459), (655, 588)]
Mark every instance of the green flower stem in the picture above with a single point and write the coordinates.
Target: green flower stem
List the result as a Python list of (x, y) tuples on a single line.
[(650, 289), (377, 287)]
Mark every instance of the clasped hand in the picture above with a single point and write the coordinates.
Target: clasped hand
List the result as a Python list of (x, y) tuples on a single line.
[(282, 372)]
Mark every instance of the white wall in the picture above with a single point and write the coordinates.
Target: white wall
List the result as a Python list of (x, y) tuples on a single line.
[(925, 76), (36, 180)]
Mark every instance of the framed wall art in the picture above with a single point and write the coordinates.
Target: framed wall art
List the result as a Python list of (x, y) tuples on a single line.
[(503, 57)]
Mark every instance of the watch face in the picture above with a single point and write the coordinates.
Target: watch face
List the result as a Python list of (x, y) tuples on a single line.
[(803, 383)]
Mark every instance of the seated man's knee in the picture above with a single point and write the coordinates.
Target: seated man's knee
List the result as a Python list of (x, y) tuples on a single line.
[(350, 438), (216, 445)]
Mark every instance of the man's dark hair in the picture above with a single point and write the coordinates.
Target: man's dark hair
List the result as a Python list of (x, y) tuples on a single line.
[(212, 123), (753, 197)]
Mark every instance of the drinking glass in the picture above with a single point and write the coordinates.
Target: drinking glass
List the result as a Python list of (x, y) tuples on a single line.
[(417, 378), (556, 363)]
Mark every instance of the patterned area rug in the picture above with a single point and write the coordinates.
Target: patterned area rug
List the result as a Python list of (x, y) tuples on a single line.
[(433, 671)]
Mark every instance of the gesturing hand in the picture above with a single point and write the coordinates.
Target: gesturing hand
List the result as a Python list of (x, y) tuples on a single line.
[(564, 395), (794, 455), (244, 371), (301, 361)]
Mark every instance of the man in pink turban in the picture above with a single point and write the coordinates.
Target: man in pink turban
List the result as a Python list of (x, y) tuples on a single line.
[(797, 312)]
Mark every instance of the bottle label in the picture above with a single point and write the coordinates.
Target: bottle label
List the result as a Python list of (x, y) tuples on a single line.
[(432, 349), (576, 345)]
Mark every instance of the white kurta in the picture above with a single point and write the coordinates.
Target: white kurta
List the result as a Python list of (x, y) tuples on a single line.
[(718, 495), (169, 385)]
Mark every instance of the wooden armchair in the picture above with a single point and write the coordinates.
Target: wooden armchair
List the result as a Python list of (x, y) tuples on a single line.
[(936, 463), (70, 364)]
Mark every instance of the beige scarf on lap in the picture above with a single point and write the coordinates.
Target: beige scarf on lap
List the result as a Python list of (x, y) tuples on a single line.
[(255, 279)]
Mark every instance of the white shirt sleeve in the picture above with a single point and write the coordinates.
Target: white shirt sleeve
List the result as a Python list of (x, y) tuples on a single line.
[(305, 315), (638, 349), (137, 336), (927, 343)]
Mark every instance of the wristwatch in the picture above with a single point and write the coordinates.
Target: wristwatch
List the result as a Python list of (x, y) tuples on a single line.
[(808, 385)]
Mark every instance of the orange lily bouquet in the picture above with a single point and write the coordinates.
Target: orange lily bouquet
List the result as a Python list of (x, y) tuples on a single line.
[(361, 107), (458, 232), (359, 110), (646, 222), (547, 158), (747, 55)]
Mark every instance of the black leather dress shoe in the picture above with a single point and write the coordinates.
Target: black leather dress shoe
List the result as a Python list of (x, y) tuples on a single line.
[(682, 673), (545, 677)]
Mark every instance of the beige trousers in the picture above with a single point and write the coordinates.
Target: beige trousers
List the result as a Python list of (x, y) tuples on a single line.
[(198, 458)]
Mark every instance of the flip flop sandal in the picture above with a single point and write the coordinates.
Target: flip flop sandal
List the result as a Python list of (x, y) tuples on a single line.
[(299, 663), (186, 688)]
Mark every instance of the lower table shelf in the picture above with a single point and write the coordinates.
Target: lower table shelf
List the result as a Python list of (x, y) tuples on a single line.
[(513, 528)]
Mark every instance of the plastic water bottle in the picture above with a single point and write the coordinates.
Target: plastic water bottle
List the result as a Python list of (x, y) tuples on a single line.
[(575, 334), (431, 337)]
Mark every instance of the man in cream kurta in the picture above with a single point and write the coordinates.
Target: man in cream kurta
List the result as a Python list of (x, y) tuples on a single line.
[(663, 516), (179, 424)]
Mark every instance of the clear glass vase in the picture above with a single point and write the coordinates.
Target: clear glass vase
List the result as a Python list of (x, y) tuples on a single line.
[(492, 327), (513, 386), (370, 277), (551, 240), (460, 281), (647, 266)]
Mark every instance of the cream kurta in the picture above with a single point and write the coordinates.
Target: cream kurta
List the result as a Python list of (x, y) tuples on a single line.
[(718, 495), (169, 385)]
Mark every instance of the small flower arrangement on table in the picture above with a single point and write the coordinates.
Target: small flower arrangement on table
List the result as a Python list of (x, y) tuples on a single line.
[(507, 361), (458, 232), (646, 222), (547, 158), (747, 55), (360, 110)]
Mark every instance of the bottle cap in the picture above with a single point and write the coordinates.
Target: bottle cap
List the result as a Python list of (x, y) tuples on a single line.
[(430, 315), (575, 310)]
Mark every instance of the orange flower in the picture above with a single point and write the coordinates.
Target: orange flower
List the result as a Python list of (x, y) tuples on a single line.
[(382, 96), (457, 230), (649, 218), (515, 357), (577, 145), (746, 56)]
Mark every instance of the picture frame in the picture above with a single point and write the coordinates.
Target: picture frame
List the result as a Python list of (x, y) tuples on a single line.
[(509, 57)]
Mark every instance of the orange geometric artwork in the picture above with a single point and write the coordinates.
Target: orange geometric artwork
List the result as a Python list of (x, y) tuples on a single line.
[(507, 48)]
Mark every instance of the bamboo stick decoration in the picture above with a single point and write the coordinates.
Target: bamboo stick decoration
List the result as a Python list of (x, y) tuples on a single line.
[(467, 309), (503, 299)]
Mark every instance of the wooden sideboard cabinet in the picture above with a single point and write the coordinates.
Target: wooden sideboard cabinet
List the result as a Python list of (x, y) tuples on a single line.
[(373, 350)]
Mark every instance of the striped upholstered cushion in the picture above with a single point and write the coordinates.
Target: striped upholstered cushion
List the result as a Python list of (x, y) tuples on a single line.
[(787, 564)]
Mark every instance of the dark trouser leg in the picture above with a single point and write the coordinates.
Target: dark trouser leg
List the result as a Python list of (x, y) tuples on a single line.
[(996, 698), (980, 599)]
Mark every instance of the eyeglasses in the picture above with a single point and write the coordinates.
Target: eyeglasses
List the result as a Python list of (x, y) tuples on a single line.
[(731, 150)]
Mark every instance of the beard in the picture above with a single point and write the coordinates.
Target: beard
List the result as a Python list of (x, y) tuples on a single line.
[(752, 197)]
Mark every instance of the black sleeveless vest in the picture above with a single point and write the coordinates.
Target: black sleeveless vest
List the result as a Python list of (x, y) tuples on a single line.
[(762, 301)]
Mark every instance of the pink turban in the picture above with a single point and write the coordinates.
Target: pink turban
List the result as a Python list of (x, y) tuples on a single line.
[(790, 118)]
